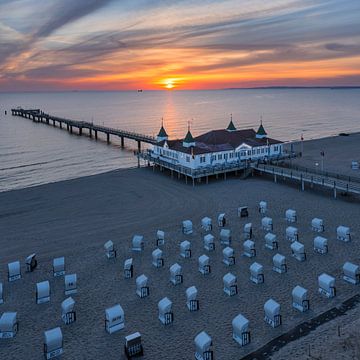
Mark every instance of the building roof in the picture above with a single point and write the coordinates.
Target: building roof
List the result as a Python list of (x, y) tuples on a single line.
[(219, 140), (231, 126), (261, 130), (189, 138), (162, 132)]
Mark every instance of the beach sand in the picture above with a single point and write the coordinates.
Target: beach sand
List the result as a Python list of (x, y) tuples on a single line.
[(75, 218)]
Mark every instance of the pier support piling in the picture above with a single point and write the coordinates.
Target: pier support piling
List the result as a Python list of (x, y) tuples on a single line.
[(95, 134), (80, 131), (108, 138), (122, 142), (90, 133), (139, 146)]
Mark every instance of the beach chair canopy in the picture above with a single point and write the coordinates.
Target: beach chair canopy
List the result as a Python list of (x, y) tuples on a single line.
[(297, 247), (263, 204), (14, 268), (271, 308), (59, 264), (316, 222), (343, 231), (228, 251), (70, 280), (160, 235), (209, 239), (320, 242), (185, 245), (247, 227), (187, 224), (266, 221), (270, 238), (256, 268), (68, 305), (137, 241), (204, 260), (128, 264), (109, 246), (225, 234), (191, 293), (326, 281), (206, 222), (53, 339), (165, 305), (290, 213), (7, 321), (141, 281), (133, 338), (175, 269), (229, 279), (249, 245), (279, 260), (202, 342), (240, 324), (299, 294), (351, 269), (291, 231), (157, 254), (115, 313), (221, 216), (43, 289), (29, 260)]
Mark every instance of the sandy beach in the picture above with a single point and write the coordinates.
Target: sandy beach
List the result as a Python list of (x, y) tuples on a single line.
[(75, 218)]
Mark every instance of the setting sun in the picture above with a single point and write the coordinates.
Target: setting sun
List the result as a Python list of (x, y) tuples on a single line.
[(169, 84)]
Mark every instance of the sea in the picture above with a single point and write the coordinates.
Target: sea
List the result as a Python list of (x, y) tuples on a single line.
[(32, 154)]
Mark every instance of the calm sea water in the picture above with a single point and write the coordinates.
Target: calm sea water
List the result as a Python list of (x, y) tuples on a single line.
[(33, 154)]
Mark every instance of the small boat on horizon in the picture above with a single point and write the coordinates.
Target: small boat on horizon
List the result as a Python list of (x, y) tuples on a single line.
[(139, 90)]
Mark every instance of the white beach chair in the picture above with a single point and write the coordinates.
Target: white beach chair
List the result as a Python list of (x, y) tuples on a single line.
[(327, 285), (160, 238), (204, 264), (191, 298), (351, 273), (249, 248), (242, 211), (142, 288), (209, 242), (343, 233), (230, 284), (1, 293), (256, 273), (300, 298), (221, 220), (42, 292), (166, 315), (279, 263), (187, 227), (53, 343), (317, 225), (185, 249), (14, 271), (70, 284), (228, 256), (262, 207), (157, 258), (290, 215), (31, 263), (114, 319), (225, 237), (272, 313), (110, 250), (206, 224), (9, 325), (68, 314), (267, 223), (241, 333), (298, 251), (320, 245), (128, 268), (203, 346), (271, 241), (59, 266), (248, 231), (138, 243), (292, 233), (176, 276), (133, 346)]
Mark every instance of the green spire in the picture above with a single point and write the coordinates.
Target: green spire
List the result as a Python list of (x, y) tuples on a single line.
[(261, 133), (162, 135), (189, 138), (231, 126)]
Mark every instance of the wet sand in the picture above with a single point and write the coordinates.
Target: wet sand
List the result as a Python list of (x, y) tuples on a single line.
[(76, 217)]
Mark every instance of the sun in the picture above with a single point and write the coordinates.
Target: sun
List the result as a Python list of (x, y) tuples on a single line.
[(169, 84)]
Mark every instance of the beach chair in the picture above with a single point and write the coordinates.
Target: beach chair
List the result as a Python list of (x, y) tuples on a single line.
[(1, 293), (351, 273), (221, 220), (230, 284), (166, 315), (300, 299), (248, 231), (157, 258), (292, 233), (204, 264), (327, 285), (206, 224), (225, 237), (243, 211), (138, 243), (59, 266), (187, 227), (42, 292), (114, 319), (133, 347), (110, 250), (317, 225), (228, 256), (53, 343), (256, 273), (270, 241), (241, 333), (272, 313), (185, 249), (298, 251), (14, 271), (262, 207), (70, 284), (31, 263), (320, 245), (68, 314), (160, 238), (267, 223), (209, 242), (191, 298), (128, 268), (176, 276), (290, 215), (249, 248), (203, 346), (279, 263), (9, 325), (142, 288), (343, 233)]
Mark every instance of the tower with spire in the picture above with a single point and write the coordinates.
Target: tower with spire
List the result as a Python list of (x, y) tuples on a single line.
[(188, 140), (162, 135), (231, 126), (261, 133)]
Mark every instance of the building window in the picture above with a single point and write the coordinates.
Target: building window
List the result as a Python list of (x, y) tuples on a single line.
[(249, 152), (187, 158), (202, 159), (225, 156), (253, 152), (220, 157), (258, 151), (262, 150)]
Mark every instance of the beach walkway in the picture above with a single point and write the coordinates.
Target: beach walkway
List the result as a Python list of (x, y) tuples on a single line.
[(39, 116), (335, 182)]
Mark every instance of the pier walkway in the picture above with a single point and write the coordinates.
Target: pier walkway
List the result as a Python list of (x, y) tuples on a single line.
[(335, 182), (39, 116)]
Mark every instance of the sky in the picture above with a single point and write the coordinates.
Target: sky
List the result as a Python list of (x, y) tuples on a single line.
[(56, 45)]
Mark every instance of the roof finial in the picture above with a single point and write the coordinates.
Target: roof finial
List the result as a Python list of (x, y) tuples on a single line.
[(231, 116), (261, 119), (162, 121)]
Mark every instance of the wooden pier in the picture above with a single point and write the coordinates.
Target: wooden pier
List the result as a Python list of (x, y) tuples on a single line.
[(335, 182), (92, 129)]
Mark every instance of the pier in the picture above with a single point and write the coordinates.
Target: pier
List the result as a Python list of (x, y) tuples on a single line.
[(92, 129)]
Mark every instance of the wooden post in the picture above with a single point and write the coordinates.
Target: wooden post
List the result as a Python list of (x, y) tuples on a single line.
[(67, 127), (108, 138), (193, 181), (224, 175), (71, 129), (80, 131), (139, 146), (122, 142), (275, 180), (53, 122), (334, 190), (60, 124), (90, 132), (186, 179), (207, 179), (95, 134)]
